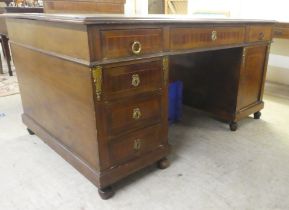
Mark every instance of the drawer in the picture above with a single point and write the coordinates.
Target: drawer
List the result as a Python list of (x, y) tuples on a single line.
[(188, 38), (135, 144), (133, 42), (281, 32), (132, 78), (259, 33), (133, 113)]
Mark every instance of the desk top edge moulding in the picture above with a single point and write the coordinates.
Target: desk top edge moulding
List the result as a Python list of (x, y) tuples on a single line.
[(95, 87)]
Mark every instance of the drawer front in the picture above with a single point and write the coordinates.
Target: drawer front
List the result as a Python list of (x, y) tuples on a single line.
[(134, 145), (281, 32), (129, 79), (188, 38), (259, 33), (123, 43), (133, 113)]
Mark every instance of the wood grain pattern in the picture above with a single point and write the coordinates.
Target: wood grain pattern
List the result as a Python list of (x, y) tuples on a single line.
[(251, 78), (259, 33), (51, 37), (120, 114), (88, 6), (281, 31), (188, 38), (118, 43), (123, 149), (118, 79), (60, 100)]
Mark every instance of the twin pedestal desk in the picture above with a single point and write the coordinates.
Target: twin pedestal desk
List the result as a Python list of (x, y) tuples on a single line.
[(95, 88)]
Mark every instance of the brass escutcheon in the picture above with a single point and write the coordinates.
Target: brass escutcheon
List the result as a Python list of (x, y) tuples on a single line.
[(214, 36), (135, 80), (137, 144), (136, 113), (136, 47)]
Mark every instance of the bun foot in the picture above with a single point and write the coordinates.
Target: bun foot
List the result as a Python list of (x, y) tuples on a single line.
[(257, 115), (106, 193), (233, 126), (30, 131), (163, 163)]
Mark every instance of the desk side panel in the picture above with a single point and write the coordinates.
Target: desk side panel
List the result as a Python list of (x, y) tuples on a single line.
[(58, 96), (68, 40)]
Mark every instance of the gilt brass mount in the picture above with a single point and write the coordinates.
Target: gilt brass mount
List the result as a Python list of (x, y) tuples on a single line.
[(97, 79)]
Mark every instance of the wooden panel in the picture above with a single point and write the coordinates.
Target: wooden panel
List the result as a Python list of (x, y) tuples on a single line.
[(83, 7), (259, 33), (51, 37), (128, 79), (188, 38), (135, 144), (57, 96), (251, 78), (118, 43), (120, 115), (281, 31)]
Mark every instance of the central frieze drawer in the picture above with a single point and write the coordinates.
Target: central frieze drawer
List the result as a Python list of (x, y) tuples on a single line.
[(128, 78), (133, 113), (135, 144), (188, 38), (132, 42)]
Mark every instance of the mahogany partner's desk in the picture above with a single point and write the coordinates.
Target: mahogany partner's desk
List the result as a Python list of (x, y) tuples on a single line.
[(95, 88)]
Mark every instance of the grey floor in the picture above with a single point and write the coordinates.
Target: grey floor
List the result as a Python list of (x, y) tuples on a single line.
[(212, 168)]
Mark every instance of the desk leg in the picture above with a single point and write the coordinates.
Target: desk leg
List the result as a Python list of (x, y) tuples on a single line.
[(106, 193), (30, 131), (1, 66), (257, 115), (233, 126), (163, 163), (7, 55)]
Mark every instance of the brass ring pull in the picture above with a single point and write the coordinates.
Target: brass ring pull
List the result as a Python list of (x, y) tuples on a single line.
[(137, 145), (214, 36), (136, 113), (135, 80), (136, 48), (261, 36)]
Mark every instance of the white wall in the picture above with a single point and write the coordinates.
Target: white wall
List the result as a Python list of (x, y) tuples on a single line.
[(136, 7), (253, 9)]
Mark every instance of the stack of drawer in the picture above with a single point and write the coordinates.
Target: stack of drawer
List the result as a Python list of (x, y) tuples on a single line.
[(134, 94)]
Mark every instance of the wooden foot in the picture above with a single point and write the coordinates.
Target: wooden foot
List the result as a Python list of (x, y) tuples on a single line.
[(257, 115), (163, 163), (106, 193), (30, 131), (233, 126)]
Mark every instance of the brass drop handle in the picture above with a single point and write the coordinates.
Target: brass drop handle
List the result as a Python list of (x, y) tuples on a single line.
[(135, 81), (261, 35), (137, 145), (136, 114), (214, 35), (136, 47)]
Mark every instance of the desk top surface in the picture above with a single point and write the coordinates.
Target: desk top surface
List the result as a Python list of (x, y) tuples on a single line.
[(123, 19)]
